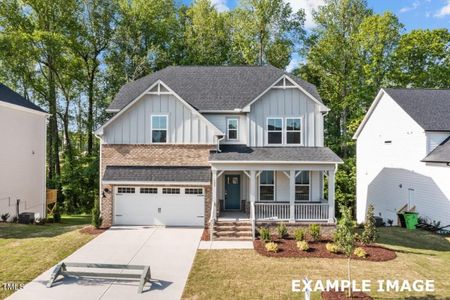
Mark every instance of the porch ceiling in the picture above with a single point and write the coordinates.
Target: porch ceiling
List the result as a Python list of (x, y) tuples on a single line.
[(244, 154)]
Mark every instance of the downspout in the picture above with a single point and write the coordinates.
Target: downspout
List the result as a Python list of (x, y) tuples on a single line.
[(218, 143)]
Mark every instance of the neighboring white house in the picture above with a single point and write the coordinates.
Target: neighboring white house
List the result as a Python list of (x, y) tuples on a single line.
[(22, 154), (403, 154)]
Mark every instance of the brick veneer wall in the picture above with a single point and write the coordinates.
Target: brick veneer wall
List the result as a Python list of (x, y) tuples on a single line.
[(151, 155)]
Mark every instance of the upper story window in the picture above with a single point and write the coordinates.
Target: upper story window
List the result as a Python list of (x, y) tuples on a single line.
[(232, 129), (267, 186), (294, 131), (159, 129), (274, 131), (302, 186)]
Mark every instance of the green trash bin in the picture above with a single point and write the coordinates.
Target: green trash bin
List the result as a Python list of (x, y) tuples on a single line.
[(411, 219)]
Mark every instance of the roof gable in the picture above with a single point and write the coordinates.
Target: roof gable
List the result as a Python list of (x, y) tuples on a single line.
[(211, 88), (9, 96), (430, 108)]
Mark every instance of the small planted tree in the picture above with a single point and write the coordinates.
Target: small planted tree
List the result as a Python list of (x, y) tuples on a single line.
[(96, 219), (345, 238), (369, 234)]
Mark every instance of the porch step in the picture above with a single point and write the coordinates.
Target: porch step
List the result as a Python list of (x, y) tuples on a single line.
[(227, 230), (233, 228)]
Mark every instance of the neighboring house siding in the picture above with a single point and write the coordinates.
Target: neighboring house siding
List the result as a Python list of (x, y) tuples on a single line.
[(434, 139), (387, 173), (285, 103), (22, 161), (220, 121), (134, 125)]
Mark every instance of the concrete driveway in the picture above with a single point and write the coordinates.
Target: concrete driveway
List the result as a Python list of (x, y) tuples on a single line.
[(169, 252)]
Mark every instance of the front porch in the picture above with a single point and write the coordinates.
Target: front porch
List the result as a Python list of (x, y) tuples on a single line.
[(267, 193)]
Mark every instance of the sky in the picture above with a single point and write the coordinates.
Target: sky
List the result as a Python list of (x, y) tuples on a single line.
[(413, 14)]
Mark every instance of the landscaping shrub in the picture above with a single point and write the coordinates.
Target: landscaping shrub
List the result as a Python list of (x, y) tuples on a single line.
[(282, 230), (272, 247), (56, 214), (299, 234), (314, 231), (369, 234), (332, 248), (96, 219), (5, 217), (360, 252), (303, 245), (264, 234)]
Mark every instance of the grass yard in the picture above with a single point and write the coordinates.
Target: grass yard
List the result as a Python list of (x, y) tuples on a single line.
[(244, 274), (28, 250)]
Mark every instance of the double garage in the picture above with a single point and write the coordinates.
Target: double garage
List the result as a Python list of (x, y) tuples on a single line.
[(155, 195), (169, 206)]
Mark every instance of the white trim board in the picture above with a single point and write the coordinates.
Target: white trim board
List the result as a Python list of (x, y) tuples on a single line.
[(155, 183), (22, 108)]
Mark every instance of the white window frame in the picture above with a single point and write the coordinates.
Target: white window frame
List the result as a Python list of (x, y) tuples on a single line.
[(167, 129), (302, 184), (267, 131), (286, 130), (266, 184), (237, 128)]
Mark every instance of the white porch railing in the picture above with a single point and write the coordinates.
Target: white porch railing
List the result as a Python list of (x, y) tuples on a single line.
[(311, 211), (272, 211)]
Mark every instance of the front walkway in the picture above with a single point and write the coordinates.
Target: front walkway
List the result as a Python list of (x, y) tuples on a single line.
[(170, 253)]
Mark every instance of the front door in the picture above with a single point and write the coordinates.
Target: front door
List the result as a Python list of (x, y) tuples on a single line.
[(232, 191)]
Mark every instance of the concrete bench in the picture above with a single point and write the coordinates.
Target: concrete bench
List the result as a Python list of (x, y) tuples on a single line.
[(62, 269)]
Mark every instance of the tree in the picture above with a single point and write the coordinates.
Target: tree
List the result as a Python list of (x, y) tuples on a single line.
[(345, 238), (422, 59), (264, 29), (332, 59), (142, 41), (369, 234), (206, 34)]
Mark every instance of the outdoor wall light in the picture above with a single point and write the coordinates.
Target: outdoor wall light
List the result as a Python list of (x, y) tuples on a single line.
[(400, 185)]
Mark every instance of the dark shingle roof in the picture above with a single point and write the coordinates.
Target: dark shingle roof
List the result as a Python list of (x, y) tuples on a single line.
[(9, 96), (157, 174), (294, 154), (430, 108), (211, 87), (441, 154)]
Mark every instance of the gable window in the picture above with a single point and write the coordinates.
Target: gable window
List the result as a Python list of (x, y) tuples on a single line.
[(293, 131), (267, 186), (302, 186), (274, 131), (159, 129), (232, 129)]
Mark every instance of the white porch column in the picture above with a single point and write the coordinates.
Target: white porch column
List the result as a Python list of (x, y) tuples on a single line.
[(331, 204), (252, 200), (292, 196), (214, 196)]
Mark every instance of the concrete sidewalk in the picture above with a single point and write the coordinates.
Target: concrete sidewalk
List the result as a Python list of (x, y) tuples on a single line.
[(170, 253), (219, 245)]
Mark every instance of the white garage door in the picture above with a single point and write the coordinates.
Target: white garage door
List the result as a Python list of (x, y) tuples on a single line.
[(170, 206)]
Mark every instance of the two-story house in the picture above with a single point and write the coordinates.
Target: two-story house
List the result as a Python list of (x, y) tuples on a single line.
[(403, 154), (190, 145)]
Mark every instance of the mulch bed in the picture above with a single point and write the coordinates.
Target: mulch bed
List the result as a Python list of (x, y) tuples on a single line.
[(92, 230), (332, 295), (288, 248), (205, 235)]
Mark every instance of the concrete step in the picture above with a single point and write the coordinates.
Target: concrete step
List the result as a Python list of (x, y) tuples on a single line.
[(228, 238), (233, 233), (232, 227), (233, 223)]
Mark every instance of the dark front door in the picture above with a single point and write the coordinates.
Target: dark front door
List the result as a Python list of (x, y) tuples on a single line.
[(232, 192)]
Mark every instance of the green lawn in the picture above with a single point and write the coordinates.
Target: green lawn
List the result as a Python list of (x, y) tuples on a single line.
[(28, 250), (244, 274)]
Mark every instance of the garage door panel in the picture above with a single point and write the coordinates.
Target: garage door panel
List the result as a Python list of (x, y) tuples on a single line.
[(159, 209)]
